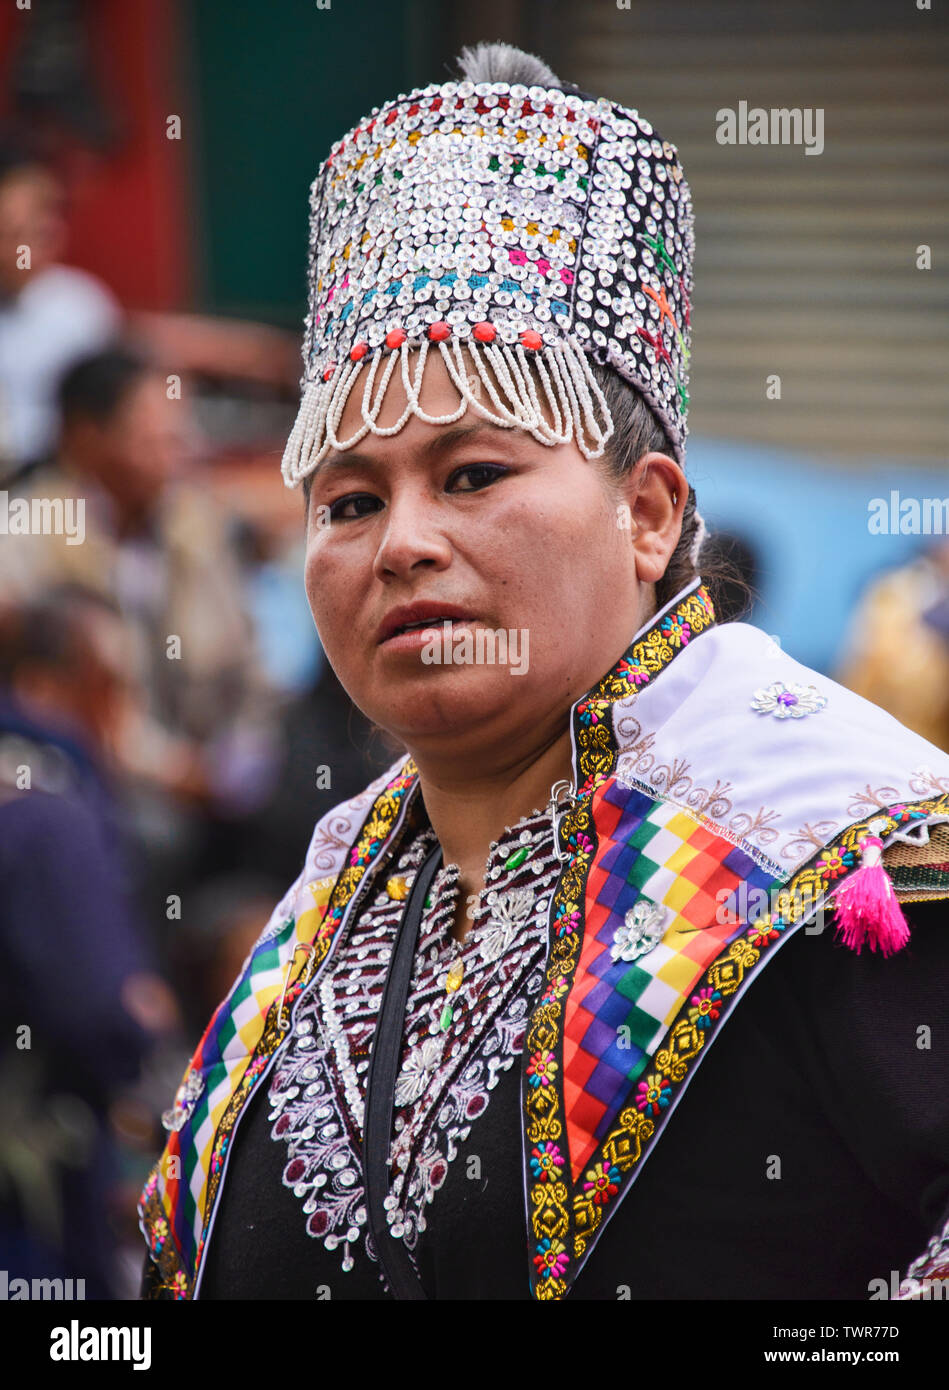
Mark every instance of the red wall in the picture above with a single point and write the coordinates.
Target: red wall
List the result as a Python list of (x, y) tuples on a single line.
[(128, 207)]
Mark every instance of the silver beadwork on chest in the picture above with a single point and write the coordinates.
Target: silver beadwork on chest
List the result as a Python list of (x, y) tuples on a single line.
[(509, 913), (418, 1070), (642, 929), (317, 1093)]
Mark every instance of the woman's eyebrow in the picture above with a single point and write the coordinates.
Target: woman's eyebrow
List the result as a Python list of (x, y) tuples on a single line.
[(440, 444)]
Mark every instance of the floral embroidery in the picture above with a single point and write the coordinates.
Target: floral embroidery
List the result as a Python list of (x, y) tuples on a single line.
[(632, 672), (764, 931), (684, 1043), (330, 922), (567, 919), (159, 1235), (551, 1258), (676, 781), (541, 1069), (580, 843), (368, 847), (676, 628), (705, 1006), (217, 1158), (591, 711), (547, 1162), (788, 701), (602, 1182), (654, 1094), (835, 862), (555, 990)]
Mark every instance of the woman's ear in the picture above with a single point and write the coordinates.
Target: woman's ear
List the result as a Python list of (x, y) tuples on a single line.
[(656, 493)]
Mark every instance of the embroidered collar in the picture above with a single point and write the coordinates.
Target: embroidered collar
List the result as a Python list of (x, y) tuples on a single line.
[(651, 651)]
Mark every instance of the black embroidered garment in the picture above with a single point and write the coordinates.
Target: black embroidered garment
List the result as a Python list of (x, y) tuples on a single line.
[(457, 1042), (810, 1159), (812, 1156), (605, 957)]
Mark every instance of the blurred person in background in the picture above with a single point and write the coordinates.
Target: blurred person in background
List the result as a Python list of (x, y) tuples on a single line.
[(50, 314), (897, 647), (194, 742), (81, 1006), (157, 540)]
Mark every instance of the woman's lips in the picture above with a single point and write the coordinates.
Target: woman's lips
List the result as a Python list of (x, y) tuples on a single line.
[(431, 612), (420, 637)]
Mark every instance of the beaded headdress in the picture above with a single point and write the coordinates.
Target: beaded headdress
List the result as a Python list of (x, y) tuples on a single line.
[(518, 231)]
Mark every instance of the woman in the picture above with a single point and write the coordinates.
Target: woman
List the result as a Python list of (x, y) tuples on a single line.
[(470, 1021)]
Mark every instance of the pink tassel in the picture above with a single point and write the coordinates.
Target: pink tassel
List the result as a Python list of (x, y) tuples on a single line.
[(866, 907)]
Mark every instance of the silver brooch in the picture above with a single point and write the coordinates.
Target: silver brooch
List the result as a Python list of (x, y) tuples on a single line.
[(186, 1098), (418, 1070), (509, 912), (642, 929), (788, 701)]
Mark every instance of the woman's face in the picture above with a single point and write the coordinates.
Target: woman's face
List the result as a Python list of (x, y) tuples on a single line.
[(520, 537)]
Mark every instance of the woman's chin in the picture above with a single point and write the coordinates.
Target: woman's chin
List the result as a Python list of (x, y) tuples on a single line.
[(437, 702)]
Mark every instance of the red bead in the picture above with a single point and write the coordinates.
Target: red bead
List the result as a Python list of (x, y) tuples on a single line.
[(530, 339), (395, 337), (485, 332), (329, 371), (358, 351), (439, 331)]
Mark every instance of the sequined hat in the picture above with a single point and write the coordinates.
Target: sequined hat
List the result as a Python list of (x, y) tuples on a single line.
[(519, 231)]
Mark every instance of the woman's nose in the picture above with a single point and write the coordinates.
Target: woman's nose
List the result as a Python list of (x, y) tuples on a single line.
[(413, 535)]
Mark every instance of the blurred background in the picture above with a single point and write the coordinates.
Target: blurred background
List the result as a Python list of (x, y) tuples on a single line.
[(164, 698)]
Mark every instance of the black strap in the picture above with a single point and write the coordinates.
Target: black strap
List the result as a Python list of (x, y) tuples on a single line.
[(380, 1090)]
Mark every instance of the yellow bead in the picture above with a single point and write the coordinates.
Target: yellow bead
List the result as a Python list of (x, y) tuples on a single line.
[(398, 888), (455, 976)]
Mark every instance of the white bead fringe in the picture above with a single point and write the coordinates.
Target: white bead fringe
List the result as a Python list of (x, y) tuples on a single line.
[(576, 403)]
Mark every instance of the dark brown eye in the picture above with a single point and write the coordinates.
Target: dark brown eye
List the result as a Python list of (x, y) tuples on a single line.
[(488, 473), (336, 508)]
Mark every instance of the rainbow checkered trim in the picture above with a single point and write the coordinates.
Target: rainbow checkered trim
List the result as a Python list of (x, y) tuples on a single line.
[(617, 1013)]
